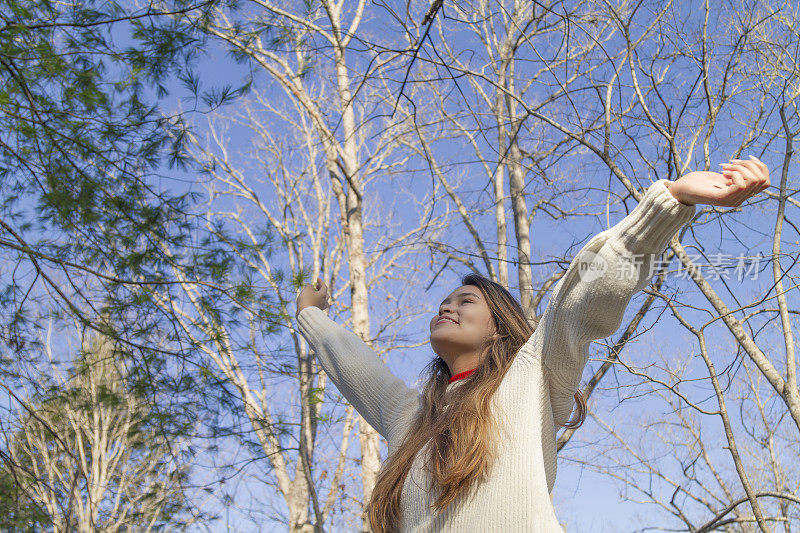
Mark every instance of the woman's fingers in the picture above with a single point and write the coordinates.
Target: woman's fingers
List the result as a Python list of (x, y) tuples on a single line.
[(761, 165), (764, 172), (322, 293), (747, 179), (759, 171), (322, 287), (737, 189), (756, 175), (749, 172)]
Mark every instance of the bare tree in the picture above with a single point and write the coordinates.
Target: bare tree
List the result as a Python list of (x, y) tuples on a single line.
[(513, 153), (88, 454), (283, 188), (338, 135)]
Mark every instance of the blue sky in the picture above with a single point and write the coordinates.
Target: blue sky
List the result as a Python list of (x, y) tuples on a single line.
[(584, 500)]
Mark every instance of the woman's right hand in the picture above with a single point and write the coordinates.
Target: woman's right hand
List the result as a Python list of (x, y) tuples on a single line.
[(738, 181), (316, 295)]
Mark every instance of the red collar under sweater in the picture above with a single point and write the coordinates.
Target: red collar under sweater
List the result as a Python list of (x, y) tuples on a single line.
[(461, 375)]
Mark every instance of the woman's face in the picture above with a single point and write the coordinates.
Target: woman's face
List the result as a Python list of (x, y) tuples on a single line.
[(462, 324)]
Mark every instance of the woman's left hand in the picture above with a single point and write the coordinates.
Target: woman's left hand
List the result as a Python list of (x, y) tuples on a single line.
[(739, 181), (316, 295)]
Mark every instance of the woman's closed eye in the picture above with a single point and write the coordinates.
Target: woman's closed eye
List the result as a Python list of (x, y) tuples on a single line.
[(461, 302)]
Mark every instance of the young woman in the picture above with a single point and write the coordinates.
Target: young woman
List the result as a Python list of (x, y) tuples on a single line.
[(476, 451)]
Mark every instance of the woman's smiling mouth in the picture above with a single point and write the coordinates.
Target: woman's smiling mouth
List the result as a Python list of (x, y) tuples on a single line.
[(445, 318)]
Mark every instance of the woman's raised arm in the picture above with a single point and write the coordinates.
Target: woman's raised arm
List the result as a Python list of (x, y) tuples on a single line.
[(356, 370), (589, 301)]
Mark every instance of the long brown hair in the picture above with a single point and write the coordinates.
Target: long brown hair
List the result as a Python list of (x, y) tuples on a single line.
[(457, 426)]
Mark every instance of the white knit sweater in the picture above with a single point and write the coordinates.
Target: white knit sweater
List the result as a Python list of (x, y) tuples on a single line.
[(536, 394)]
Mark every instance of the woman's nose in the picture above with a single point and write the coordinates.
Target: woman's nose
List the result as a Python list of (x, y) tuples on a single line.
[(445, 309)]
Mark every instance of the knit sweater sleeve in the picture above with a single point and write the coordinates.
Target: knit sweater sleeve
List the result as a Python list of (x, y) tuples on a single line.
[(359, 374), (590, 299)]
